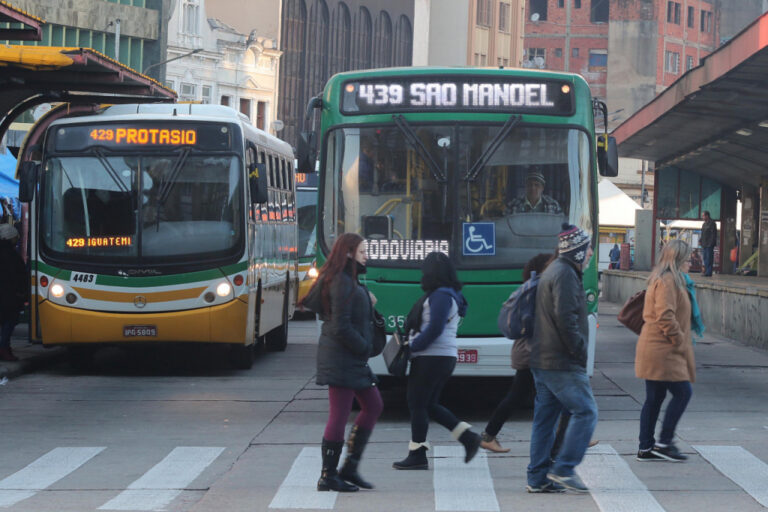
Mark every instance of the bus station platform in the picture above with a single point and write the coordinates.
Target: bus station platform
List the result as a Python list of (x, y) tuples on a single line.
[(731, 305)]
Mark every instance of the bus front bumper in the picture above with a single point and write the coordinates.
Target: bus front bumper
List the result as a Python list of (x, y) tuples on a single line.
[(225, 323)]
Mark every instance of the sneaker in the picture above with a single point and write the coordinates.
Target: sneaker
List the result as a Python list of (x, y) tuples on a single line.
[(647, 455), (670, 453), (572, 482), (545, 488), (490, 443)]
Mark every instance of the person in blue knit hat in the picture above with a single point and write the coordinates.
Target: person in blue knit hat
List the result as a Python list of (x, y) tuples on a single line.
[(559, 365)]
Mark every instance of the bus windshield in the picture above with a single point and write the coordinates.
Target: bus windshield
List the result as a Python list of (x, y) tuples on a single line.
[(104, 208), (413, 189)]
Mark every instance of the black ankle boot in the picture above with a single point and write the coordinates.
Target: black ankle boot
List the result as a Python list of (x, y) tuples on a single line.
[(358, 438), (469, 439), (416, 459), (329, 479)]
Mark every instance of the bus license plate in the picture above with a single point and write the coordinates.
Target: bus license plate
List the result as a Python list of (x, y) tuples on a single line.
[(132, 331), (467, 356)]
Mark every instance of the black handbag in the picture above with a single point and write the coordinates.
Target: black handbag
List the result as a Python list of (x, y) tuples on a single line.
[(396, 354), (379, 334)]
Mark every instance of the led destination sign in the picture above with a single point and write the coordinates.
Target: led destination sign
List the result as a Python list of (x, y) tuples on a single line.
[(403, 250), (147, 136), (487, 94), (99, 241)]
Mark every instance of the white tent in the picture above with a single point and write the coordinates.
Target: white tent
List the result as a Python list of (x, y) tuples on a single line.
[(616, 207)]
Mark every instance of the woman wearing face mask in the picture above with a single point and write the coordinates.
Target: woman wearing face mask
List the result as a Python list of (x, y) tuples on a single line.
[(346, 343)]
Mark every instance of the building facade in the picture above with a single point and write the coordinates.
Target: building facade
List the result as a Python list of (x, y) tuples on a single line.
[(497, 29), (319, 38), (211, 62), (132, 32)]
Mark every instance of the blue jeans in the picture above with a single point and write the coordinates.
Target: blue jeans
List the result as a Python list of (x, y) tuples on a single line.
[(708, 257), (655, 391), (557, 390)]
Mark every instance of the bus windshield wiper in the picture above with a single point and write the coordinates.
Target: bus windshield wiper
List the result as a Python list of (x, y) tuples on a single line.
[(423, 152), (491, 149), (167, 185), (110, 170)]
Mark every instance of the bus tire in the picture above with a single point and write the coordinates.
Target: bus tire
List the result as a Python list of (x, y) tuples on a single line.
[(242, 356), (276, 340)]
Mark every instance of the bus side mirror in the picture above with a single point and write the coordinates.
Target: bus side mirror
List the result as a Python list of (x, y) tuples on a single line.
[(28, 172), (306, 152), (257, 181), (607, 156)]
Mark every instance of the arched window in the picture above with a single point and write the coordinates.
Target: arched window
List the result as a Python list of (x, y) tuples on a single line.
[(382, 46), (317, 48), (341, 38), (403, 42), (362, 57), (292, 72)]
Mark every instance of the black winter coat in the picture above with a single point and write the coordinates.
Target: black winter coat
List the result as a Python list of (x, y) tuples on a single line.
[(14, 284), (346, 338), (561, 331)]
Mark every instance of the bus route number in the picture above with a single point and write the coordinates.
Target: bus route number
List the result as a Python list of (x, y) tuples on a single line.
[(79, 277), (396, 321), (381, 94)]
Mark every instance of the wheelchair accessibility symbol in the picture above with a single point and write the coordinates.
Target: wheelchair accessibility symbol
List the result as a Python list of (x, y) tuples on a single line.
[(479, 239)]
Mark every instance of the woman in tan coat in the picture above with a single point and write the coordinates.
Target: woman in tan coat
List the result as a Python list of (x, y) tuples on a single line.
[(664, 356)]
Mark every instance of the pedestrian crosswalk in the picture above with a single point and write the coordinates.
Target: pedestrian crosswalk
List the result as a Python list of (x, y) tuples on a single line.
[(615, 482)]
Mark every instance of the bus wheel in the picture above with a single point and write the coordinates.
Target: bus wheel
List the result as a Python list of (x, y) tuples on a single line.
[(242, 356), (276, 340)]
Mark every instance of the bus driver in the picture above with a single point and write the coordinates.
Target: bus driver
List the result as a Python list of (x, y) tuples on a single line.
[(534, 199)]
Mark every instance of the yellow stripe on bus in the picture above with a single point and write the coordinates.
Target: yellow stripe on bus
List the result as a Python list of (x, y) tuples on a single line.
[(106, 296)]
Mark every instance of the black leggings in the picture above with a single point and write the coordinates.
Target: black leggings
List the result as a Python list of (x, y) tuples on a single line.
[(426, 381), (522, 388)]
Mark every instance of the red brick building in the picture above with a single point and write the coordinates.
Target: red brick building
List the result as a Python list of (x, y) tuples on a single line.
[(628, 50)]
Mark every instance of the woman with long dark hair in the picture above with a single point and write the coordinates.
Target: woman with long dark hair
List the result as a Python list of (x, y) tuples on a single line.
[(346, 343), (432, 324)]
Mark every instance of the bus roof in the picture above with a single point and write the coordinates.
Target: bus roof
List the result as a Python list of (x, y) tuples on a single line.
[(185, 112)]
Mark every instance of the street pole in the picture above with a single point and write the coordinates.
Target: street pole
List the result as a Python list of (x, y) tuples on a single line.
[(197, 50), (117, 39), (644, 169)]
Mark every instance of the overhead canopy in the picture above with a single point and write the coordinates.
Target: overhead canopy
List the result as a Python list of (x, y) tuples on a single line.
[(616, 207), (713, 120), (30, 25), (31, 75)]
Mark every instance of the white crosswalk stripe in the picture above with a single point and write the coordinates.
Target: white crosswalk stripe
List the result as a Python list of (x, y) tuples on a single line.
[(746, 470), (460, 486), (166, 480), (299, 489), (612, 484), (44, 472)]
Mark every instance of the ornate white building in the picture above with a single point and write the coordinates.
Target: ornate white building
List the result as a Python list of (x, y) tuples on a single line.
[(227, 68)]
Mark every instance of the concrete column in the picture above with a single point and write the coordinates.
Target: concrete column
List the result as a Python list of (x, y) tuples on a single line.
[(728, 228), (762, 268), (749, 204), (643, 239), (421, 14)]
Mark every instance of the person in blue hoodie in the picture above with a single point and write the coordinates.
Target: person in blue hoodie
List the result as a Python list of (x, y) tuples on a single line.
[(432, 325)]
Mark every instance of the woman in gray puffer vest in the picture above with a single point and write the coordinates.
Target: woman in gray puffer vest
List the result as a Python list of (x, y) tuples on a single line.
[(345, 345), (432, 323)]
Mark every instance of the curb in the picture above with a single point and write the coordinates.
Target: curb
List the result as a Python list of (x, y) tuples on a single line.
[(42, 359)]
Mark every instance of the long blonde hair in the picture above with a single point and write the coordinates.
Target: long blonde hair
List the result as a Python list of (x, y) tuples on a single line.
[(673, 256)]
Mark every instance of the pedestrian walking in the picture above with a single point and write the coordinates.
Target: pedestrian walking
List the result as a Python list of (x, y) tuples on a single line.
[(664, 354), (708, 242), (558, 362), (432, 324), (13, 288), (615, 256), (522, 385), (345, 345)]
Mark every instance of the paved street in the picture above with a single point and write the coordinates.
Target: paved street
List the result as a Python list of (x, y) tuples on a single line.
[(167, 431)]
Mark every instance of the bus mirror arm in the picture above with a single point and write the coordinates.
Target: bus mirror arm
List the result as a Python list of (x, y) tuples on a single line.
[(607, 156), (306, 152), (257, 181), (28, 172)]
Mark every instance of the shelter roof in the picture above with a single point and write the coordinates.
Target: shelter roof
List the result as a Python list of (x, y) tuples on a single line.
[(714, 119), (30, 29), (616, 207)]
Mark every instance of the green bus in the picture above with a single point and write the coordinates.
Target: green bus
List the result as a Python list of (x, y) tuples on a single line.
[(482, 164)]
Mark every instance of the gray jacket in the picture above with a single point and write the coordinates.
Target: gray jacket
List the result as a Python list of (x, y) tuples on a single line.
[(561, 331), (346, 337)]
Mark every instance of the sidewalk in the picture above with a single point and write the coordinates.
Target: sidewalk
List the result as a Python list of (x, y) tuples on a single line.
[(31, 357)]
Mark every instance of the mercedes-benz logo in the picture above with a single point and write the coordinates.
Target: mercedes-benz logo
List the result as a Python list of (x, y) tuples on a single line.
[(139, 301)]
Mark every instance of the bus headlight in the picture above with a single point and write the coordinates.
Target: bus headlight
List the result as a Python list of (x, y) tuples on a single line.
[(313, 273), (591, 297), (223, 289), (57, 291)]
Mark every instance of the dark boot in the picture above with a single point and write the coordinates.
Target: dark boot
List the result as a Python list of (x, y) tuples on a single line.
[(329, 479), (358, 438), (416, 459), (6, 354), (469, 439)]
